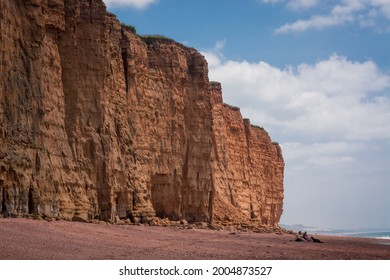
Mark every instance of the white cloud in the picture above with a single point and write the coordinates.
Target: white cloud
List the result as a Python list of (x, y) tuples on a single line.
[(304, 156), (215, 56), (339, 15), (382, 5), (300, 151), (137, 4), (270, 1), (294, 4), (335, 98), (315, 22), (367, 13), (302, 4)]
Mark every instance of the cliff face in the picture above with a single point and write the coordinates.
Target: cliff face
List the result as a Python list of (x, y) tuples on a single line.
[(171, 125), (247, 168), (62, 99), (98, 122)]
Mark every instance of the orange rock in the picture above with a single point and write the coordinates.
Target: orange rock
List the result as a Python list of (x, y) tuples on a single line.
[(248, 167), (100, 123)]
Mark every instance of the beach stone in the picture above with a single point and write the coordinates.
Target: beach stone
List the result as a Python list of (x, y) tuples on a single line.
[(79, 219)]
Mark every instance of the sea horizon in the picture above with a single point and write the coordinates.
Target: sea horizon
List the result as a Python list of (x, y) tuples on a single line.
[(378, 233), (369, 234)]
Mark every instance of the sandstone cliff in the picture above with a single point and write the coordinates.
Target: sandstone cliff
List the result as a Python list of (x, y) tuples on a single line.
[(247, 168), (97, 122)]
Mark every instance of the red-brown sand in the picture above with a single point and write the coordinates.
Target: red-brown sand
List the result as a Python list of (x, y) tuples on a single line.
[(32, 239)]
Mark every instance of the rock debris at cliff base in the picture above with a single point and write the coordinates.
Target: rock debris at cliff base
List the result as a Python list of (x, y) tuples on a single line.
[(100, 123)]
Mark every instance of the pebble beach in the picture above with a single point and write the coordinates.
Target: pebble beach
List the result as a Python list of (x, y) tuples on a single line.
[(27, 239)]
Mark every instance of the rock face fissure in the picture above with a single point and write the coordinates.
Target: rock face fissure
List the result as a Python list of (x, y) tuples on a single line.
[(99, 123)]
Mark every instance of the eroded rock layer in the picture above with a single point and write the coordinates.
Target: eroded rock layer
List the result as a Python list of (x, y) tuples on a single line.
[(248, 168), (97, 122)]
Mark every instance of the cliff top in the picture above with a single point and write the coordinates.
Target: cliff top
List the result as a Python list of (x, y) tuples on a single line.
[(153, 38)]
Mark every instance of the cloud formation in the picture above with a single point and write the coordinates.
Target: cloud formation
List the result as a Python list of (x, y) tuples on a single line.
[(367, 13), (335, 98), (302, 4), (294, 4), (137, 4)]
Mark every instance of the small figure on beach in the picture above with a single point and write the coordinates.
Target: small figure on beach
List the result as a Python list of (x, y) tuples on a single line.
[(315, 240), (306, 237), (299, 237)]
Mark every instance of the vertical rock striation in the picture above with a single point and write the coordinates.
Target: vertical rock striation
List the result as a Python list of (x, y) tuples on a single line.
[(247, 168), (97, 122), (171, 125)]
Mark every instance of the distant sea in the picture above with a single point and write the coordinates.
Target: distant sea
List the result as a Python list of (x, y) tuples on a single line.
[(378, 235), (363, 232)]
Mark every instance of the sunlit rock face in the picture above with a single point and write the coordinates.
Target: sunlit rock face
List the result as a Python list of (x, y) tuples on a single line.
[(100, 123)]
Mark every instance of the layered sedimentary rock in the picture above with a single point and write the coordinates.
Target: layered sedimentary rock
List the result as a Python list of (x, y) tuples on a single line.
[(247, 167), (97, 122), (170, 117)]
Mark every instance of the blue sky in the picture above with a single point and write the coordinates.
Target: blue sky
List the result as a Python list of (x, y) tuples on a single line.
[(316, 75)]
